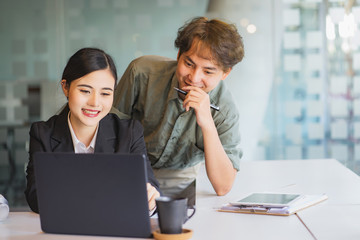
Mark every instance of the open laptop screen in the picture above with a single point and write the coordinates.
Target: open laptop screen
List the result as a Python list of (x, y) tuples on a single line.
[(92, 194)]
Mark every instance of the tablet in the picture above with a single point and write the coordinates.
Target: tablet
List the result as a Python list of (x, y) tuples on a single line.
[(268, 200)]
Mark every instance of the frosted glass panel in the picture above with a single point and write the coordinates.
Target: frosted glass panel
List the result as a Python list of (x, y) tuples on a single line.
[(292, 62), (356, 86), (357, 130), (121, 3), (294, 152), (337, 14), (356, 107), (292, 40), (356, 61), (313, 62), (314, 85), (316, 131), (21, 113), (315, 108), (339, 108), (316, 152), (338, 85), (2, 91), (291, 17), (339, 130), (4, 158), (357, 152), (314, 39), (293, 109), (293, 133), (20, 90), (3, 113), (340, 152)]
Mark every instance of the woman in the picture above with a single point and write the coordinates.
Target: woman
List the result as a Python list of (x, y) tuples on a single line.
[(85, 123)]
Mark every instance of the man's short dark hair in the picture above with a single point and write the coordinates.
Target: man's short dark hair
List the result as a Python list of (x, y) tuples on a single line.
[(222, 39)]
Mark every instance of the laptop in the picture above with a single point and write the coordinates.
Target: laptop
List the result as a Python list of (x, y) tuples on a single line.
[(92, 194)]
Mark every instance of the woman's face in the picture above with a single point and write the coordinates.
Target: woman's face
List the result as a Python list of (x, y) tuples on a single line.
[(90, 98)]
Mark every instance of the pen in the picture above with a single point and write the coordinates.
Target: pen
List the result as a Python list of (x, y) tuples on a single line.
[(211, 105)]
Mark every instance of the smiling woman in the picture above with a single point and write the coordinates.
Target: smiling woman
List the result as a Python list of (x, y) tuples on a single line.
[(90, 100), (85, 124)]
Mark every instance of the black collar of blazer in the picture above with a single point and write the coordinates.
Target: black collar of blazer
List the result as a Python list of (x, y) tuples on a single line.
[(62, 141)]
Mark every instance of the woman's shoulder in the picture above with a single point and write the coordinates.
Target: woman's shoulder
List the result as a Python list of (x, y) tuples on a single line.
[(46, 124), (49, 124)]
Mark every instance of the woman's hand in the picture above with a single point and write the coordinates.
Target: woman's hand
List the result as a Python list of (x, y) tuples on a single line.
[(152, 194)]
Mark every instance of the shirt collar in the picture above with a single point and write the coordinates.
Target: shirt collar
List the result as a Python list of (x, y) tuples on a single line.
[(80, 147), (173, 94)]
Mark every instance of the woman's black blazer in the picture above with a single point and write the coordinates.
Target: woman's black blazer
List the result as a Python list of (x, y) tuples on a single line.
[(115, 135)]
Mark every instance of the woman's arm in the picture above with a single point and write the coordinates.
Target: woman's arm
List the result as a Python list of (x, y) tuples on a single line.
[(138, 146), (35, 146)]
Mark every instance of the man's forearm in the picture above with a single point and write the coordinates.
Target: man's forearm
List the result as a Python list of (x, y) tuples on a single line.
[(219, 168)]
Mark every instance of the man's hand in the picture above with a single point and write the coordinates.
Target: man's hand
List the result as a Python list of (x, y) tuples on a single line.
[(200, 102), (152, 194)]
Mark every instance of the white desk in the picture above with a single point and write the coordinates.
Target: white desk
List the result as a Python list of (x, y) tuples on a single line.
[(336, 218)]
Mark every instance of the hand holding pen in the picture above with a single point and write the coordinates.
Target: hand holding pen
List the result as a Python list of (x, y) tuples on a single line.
[(211, 105)]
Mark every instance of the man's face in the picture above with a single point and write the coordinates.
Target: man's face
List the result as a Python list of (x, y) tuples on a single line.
[(197, 68)]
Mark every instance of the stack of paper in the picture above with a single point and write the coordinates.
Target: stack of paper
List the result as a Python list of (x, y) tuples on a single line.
[(304, 202)]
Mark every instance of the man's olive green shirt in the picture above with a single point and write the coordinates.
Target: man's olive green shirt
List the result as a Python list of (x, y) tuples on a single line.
[(173, 138)]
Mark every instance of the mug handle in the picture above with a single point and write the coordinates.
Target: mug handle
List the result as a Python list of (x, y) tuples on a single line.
[(192, 214)]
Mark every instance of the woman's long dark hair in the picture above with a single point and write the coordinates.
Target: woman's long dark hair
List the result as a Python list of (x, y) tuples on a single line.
[(85, 61)]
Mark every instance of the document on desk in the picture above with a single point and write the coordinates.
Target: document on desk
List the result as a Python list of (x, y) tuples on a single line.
[(304, 202)]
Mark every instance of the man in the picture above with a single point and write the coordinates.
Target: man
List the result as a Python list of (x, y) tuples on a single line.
[(182, 130)]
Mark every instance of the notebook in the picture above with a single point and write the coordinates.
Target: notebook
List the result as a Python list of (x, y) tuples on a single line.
[(302, 203), (92, 194)]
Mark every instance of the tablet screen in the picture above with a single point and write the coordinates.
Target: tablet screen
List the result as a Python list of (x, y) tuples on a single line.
[(268, 199)]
